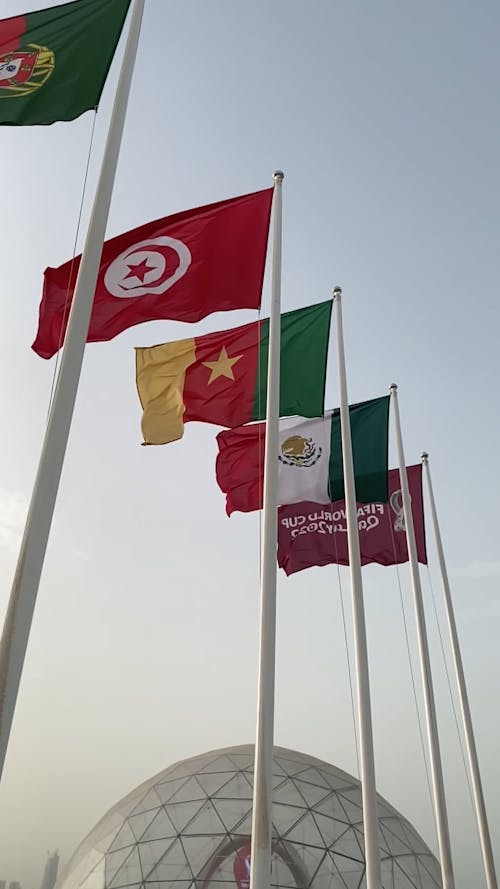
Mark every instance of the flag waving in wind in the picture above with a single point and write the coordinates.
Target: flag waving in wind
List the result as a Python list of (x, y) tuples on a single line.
[(181, 268), (309, 458), (54, 62), (314, 534), (221, 377)]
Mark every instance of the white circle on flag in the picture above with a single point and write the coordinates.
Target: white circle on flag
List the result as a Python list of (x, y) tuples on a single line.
[(144, 268)]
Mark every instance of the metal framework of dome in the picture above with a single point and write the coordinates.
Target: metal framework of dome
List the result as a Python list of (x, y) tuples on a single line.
[(189, 828)]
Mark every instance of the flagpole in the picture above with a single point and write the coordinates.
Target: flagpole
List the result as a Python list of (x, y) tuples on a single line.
[(260, 861), (482, 819), (443, 832), (367, 759), (24, 590)]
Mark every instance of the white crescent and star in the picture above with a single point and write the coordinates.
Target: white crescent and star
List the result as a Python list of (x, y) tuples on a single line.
[(144, 269)]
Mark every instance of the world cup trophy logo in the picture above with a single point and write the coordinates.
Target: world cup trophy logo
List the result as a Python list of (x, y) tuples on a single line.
[(396, 502)]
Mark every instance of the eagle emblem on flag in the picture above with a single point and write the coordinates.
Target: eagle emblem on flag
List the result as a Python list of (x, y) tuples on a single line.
[(299, 451), (22, 71)]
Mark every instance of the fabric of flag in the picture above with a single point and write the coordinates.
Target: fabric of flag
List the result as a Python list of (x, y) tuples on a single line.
[(315, 534), (221, 377), (54, 62), (309, 458), (180, 268)]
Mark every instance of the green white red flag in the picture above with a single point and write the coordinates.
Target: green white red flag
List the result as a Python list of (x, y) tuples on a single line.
[(309, 458)]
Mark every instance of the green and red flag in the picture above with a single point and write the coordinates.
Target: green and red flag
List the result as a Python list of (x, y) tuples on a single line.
[(221, 378), (54, 62), (309, 457)]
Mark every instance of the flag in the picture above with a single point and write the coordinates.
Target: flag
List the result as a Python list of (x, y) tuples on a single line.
[(180, 268), (310, 458), (54, 62), (221, 378), (314, 534)]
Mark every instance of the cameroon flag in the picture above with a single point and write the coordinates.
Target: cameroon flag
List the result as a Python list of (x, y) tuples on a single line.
[(53, 63), (221, 378)]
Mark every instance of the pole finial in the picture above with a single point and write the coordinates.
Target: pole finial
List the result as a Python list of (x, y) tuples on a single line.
[(278, 174), (425, 457), (393, 387), (337, 291)]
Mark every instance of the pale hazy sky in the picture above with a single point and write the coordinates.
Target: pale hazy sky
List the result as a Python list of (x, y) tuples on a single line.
[(384, 117)]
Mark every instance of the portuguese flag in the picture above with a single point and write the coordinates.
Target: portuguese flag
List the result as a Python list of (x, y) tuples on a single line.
[(53, 63), (221, 378)]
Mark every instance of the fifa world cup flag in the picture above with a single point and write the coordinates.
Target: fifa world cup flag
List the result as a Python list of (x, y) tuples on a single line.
[(180, 268), (309, 458), (316, 534), (54, 62), (221, 378)]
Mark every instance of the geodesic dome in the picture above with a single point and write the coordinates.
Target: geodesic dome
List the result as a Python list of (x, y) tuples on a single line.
[(189, 828)]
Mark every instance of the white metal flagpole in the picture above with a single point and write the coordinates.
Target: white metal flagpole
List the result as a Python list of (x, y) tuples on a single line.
[(367, 759), (260, 861), (24, 591), (482, 819), (425, 665)]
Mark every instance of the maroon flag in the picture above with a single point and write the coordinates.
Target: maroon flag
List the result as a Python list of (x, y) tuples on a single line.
[(241, 867), (181, 268), (314, 534)]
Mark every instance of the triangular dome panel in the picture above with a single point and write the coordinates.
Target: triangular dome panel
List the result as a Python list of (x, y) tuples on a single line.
[(191, 790), (166, 789), (150, 801), (123, 838), (129, 874), (172, 866), (236, 787), (150, 853), (161, 827), (140, 823)]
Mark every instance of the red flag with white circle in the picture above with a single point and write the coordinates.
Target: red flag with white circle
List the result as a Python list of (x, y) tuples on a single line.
[(180, 268)]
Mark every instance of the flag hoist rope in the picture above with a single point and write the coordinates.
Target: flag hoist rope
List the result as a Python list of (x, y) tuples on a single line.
[(443, 832), (413, 683), (482, 819), (23, 595), (67, 300), (260, 861), (367, 759), (348, 659)]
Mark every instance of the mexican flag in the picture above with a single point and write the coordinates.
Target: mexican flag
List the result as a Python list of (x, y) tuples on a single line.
[(221, 378), (309, 458), (53, 63)]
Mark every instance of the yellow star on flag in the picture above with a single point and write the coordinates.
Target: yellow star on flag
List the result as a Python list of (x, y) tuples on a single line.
[(223, 367)]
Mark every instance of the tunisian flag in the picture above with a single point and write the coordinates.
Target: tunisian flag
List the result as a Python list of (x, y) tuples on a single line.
[(180, 268), (314, 534)]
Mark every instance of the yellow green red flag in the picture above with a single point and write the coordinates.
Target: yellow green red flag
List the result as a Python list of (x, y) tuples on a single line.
[(221, 378)]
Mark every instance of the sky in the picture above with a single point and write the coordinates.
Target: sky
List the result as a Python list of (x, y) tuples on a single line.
[(143, 650)]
